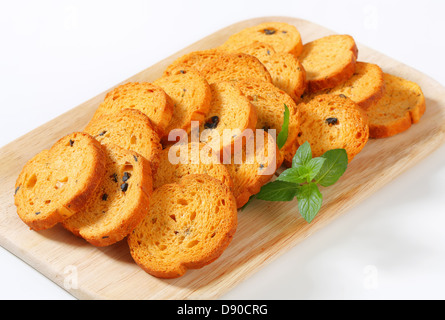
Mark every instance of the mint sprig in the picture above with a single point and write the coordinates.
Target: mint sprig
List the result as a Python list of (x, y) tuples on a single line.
[(302, 179)]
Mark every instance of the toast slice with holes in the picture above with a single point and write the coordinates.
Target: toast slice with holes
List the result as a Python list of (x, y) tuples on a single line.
[(331, 122), (56, 183), (196, 60), (146, 97), (178, 160), (366, 86), (230, 118), (131, 130), (119, 203), (235, 67), (283, 37), (269, 102), (188, 226), (329, 61), (402, 105), (252, 165), (286, 70), (191, 96)]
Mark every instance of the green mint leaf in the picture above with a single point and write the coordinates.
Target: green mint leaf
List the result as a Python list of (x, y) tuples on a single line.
[(333, 168), (282, 136), (309, 201), (295, 175), (302, 156), (278, 191), (314, 166)]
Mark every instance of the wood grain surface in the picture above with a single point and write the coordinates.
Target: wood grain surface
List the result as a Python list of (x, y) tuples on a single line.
[(265, 231)]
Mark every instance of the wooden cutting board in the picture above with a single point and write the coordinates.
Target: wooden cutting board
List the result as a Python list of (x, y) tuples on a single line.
[(265, 231)]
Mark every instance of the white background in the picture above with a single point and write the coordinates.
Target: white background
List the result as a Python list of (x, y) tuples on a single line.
[(55, 55)]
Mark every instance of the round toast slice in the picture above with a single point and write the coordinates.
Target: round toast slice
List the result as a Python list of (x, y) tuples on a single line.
[(329, 61), (119, 203), (188, 226), (269, 103), (131, 130), (286, 70), (143, 96), (56, 183), (402, 105), (333, 122), (191, 96), (196, 60), (178, 160), (235, 67), (366, 86), (283, 37), (253, 165), (230, 115)]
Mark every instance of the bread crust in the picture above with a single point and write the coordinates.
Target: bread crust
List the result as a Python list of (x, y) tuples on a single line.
[(235, 67), (283, 37), (130, 129), (286, 70), (366, 86), (187, 231), (318, 53), (248, 176), (38, 198), (112, 212), (402, 105), (269, 102), (191, 95), (146, 97), (331, 122)]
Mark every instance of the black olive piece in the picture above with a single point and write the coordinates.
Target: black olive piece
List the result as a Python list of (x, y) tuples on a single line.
[(71, 143), (114, 177), (341, 95), (124, 187), (269, 31), (105, 197), (212, 123), (17, 190), (103, 133), (37, 213), (135, 158), (126, 177), (332, 121)]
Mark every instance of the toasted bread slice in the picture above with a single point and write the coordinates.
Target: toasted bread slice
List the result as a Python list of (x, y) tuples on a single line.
[(283, 37), (286, 71), (196, 60), (329, 61), (56, 183), (178, 161), (146, 97), (269, 103), (131, 130), (251, 168), (188, 226), (366, 86), (230, 110), (332, 122), (235, 67), (402, 105), (191, 96), (120, 202)]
